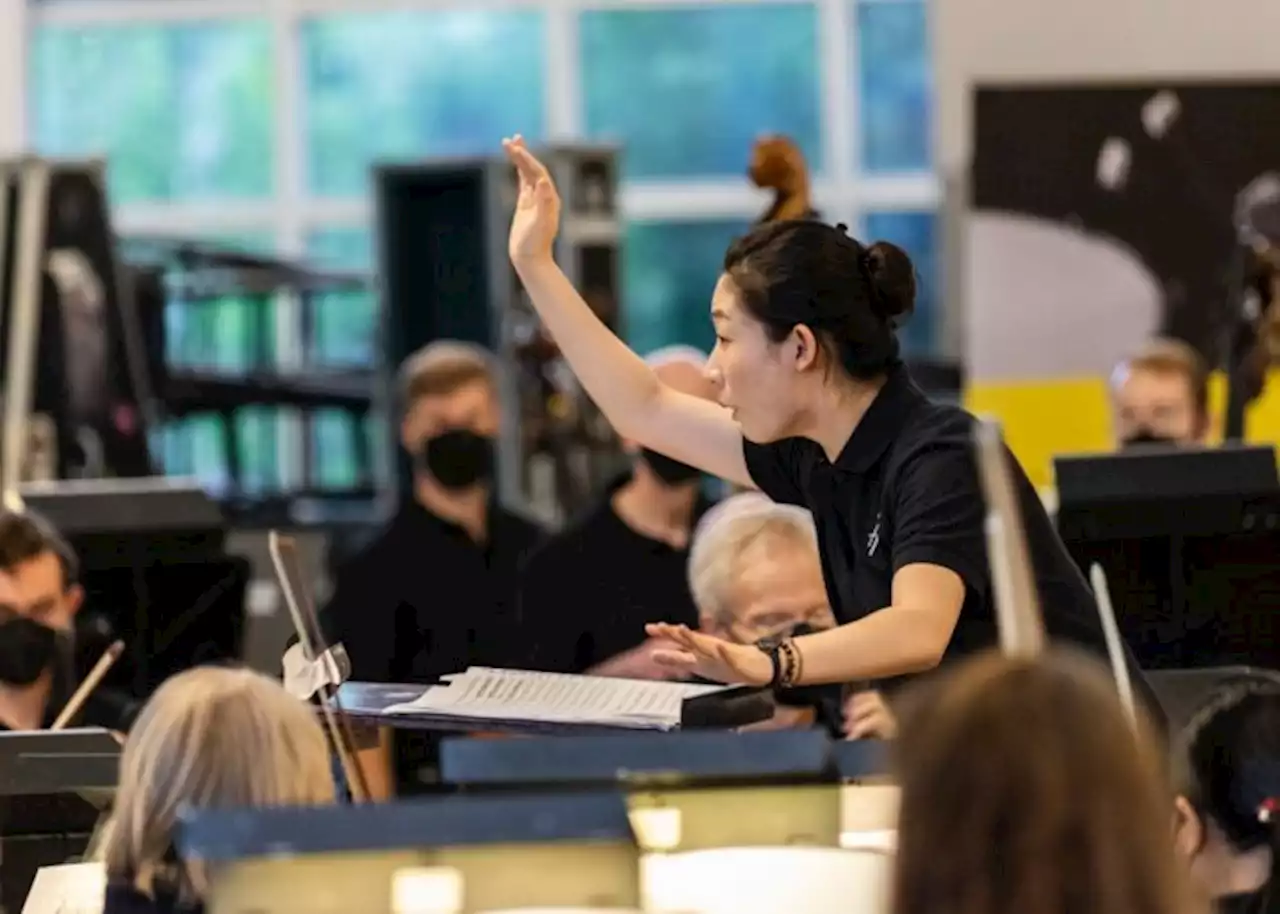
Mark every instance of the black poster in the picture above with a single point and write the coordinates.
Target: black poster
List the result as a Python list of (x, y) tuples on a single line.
[(1102, 214)]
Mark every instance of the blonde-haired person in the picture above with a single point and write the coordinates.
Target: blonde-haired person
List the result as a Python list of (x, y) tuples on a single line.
[(211, 737), (755, 573)]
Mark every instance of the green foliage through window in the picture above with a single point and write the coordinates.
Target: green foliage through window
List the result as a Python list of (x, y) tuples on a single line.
[(182, 112), (896, 82), (688, 89), (671, 270), (412, 84)]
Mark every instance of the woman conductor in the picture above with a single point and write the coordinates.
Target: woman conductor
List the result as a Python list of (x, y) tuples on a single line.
[(816, 409)]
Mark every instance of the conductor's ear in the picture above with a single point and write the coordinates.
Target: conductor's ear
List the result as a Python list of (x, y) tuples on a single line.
[(803, 346)]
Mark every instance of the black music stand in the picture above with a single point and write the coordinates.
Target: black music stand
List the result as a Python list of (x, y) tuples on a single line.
[(53, 786), (552, 851), (670, 759), (1188, 539), (761, 788), (156, 573)]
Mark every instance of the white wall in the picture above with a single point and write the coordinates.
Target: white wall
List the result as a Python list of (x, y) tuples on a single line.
[(13, 62), (987, 41)]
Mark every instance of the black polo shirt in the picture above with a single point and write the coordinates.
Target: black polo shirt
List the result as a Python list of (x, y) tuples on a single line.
[(906, 490), (587, 594), (424, 599)]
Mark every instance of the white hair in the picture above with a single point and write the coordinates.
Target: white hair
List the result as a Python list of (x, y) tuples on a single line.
[(678, 354), (727, 532)]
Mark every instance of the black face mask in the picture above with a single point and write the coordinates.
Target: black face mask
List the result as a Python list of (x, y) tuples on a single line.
[(27, 649), (670, 472), (458, 459), (1145, 438)]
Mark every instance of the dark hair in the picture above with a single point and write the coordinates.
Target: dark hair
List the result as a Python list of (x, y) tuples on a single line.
[(1231, 753), (1032, 777), (851, 296), (25, 535)]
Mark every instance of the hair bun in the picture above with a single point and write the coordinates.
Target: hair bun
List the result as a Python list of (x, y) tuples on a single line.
[(893, 280)]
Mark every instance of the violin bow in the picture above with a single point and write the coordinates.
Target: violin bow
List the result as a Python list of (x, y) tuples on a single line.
[(298, 597), (1017, 599)]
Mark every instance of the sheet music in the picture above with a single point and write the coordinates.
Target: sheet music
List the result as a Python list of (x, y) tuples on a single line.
[(497, 694), (73, 888)]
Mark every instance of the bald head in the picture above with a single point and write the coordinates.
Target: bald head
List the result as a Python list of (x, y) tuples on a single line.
[(686, 378), (682, 368)]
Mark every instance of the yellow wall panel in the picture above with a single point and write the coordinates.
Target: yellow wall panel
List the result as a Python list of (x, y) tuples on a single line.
[(1045, 417)]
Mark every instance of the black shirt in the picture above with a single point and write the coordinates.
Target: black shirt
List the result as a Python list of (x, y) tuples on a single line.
[(424, 599), (1245, 903), (905, 490), (125, 899), (588, 592), (106, 708)]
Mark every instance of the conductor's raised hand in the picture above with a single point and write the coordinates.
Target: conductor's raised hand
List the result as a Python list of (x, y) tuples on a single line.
[(696, 654), (537, 216)]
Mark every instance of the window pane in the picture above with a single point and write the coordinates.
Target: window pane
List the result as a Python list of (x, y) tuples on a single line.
[(343, 334), (916, 233), (688, 89), (671, 271), (183, 112), (344, 325), (335, 449), (896, 80), (414, 84)]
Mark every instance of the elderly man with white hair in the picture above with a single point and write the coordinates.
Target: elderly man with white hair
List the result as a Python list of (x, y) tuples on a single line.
[(588, 593), (755, 574)]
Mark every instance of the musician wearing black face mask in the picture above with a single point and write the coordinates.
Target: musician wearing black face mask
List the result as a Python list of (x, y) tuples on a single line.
[(588, 593), (1160, 397), (39, 600), (435, 592)]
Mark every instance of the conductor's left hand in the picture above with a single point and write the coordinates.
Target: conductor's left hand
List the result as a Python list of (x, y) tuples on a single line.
[(696, 654)]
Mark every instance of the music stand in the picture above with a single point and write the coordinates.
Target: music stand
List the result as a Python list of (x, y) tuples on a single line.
[(761, 788), (53, 787), (1187, 538), (74, 348), (306, 623), (495, 853)]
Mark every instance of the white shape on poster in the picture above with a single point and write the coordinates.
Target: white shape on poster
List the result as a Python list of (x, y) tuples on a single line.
[(1048, 300), (1115, 160)]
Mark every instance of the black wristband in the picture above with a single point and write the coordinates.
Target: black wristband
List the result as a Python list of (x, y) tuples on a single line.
[(772, 648)]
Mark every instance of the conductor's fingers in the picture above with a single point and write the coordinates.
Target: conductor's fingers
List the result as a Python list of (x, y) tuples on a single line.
[(525, 161), (678, 660)]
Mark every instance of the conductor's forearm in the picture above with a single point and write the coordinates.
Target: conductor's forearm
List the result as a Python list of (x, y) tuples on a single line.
[(618, 380), (889, 642)]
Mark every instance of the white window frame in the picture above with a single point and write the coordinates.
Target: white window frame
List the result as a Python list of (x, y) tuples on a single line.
[(843, 191)]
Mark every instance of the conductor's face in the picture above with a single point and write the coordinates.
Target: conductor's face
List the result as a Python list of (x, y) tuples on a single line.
[(755, 378)]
